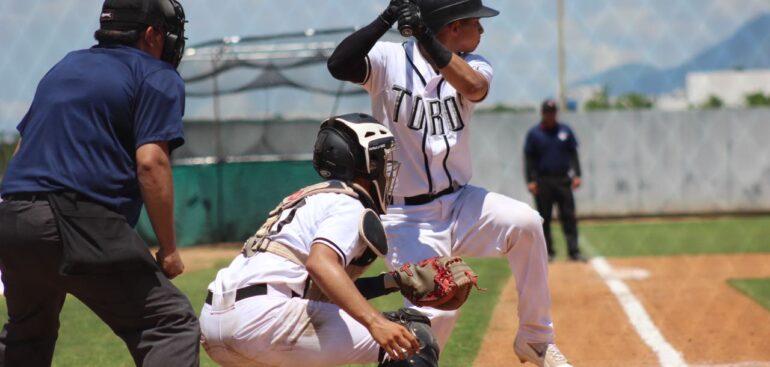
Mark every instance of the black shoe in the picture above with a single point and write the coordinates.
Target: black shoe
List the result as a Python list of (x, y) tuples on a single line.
[(577, 258)]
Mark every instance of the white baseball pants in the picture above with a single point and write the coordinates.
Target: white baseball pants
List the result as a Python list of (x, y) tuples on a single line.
[(474, 222)]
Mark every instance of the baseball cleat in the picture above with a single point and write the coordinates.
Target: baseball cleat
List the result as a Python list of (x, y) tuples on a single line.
[(540, 354)]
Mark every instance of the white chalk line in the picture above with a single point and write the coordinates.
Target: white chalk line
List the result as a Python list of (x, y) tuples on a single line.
[(667, 355), (738, 364)]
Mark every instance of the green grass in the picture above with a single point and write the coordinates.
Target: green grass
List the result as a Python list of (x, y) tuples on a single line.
[(465, 341), (85, 341), (756, 289), (691, 237)]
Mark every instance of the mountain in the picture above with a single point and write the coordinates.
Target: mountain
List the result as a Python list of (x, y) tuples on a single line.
[(747, 48)]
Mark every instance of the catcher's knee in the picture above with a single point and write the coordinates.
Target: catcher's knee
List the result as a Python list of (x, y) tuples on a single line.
[(418, 324)]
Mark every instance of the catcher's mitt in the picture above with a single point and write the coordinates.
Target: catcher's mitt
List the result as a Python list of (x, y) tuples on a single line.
[(440, 282)]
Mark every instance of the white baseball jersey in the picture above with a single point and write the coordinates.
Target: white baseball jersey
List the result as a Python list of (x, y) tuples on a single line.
[(427, 116), (277, 330), (328, 218), (431, 124)]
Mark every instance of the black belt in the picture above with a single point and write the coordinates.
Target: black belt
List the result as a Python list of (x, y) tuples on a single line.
[(427, 198), (246, 292), (26, 196)]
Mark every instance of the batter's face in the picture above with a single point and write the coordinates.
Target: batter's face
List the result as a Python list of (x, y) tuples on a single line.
[(462, 35)]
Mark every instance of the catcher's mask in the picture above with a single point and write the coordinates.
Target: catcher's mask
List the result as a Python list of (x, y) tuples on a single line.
[(357, 146), (164, 15)]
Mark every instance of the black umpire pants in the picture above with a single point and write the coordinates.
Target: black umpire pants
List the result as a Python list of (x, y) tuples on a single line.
[(558, 190), (153, 318)]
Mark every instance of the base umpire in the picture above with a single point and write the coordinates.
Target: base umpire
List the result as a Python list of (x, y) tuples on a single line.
[(94, 147), (553, 172)]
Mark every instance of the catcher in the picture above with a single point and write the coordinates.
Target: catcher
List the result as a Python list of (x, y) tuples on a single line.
[(293, 297)]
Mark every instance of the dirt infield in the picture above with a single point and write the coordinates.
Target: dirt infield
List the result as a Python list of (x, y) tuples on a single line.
[(687, 298), (203, 257)]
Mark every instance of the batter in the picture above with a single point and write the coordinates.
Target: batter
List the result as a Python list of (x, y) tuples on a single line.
[(425, 91)]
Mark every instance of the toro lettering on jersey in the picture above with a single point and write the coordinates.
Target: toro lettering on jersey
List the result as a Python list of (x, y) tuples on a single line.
[(442, 114)]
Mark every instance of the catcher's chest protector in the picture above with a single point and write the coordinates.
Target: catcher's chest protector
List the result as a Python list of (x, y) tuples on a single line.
[(259, 241), (370, 232)]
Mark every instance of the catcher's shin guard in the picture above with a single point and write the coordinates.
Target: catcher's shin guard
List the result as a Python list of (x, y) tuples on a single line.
[(419, 325)]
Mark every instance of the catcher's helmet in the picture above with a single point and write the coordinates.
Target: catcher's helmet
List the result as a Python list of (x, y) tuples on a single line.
[(357, 146), (165, 15), (438, 13)]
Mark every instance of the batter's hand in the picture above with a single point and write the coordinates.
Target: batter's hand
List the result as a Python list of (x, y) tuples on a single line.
[(393, 10), (532, 187), (170, 263), (394, 339), (576, 183), (410, 16)]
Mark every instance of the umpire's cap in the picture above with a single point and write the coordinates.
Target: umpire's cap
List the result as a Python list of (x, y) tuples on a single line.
[(166, 15), (549, 105), (438, 13)]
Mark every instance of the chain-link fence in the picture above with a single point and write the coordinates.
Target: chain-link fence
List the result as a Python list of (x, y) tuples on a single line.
[(258, 68), (253, 64), (651, 49)]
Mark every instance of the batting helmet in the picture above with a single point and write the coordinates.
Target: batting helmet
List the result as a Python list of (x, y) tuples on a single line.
[(438, 13), (164, 15), (357, 146)]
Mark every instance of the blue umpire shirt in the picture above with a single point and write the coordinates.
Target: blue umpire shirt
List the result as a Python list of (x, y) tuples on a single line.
[(551, 149), (90, 113)]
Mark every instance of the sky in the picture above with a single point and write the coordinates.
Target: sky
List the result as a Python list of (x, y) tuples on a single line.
[(520, 43)]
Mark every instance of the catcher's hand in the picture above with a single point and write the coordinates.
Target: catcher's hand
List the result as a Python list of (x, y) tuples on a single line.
[(439, 282)]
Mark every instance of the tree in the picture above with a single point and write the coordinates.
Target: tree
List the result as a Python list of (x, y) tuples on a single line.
[(6, 151), (757, 99), (633, 101), (713, 102), (599, 101)]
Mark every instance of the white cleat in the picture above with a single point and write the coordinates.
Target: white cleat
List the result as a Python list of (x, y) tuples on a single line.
[(540, 354)]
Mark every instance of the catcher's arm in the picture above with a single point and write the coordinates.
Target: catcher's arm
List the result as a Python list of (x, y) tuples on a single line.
[(324, 267), (441, 282), (373, 287)]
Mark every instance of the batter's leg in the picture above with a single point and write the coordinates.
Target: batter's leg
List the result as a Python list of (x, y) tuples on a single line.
[(490, 224), (417, 233)]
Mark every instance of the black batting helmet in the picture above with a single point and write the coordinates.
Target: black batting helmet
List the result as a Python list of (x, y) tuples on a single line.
[(438, 13), (165, 15), (357, 146)]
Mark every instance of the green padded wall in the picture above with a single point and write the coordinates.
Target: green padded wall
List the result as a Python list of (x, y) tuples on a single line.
[(228, 202)]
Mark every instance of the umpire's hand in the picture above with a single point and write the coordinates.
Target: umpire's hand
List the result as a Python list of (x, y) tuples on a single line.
[(532, 187), (576, 183), (170, 263)]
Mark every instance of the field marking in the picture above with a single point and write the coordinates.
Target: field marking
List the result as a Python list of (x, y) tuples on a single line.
[(737, 364), (637, 315)]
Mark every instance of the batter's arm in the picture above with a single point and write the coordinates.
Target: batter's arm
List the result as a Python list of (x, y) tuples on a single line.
[(324, 267), (348, 61), (468, 82)]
